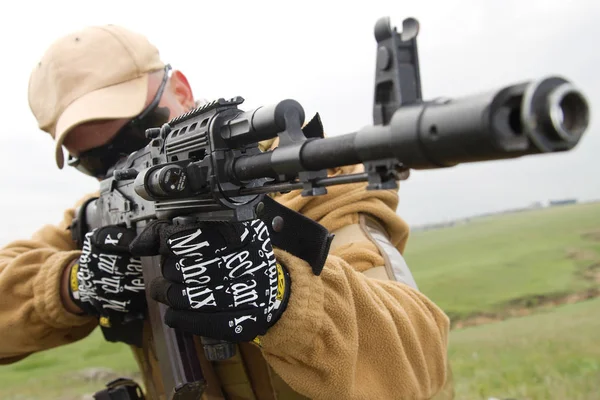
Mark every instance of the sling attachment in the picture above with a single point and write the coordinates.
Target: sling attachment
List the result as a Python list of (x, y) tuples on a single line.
[(296, 234), (120, 389)]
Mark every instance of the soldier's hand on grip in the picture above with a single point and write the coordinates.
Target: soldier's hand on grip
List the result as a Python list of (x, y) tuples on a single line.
[(219, 279)]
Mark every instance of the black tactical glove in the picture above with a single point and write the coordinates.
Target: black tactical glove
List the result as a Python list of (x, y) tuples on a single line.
[(220, 280), (107, 281)]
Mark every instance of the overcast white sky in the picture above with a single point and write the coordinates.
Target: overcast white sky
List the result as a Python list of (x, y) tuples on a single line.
[(321, 54)]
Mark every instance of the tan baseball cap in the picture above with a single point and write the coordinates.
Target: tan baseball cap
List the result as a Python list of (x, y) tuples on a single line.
[(99, 72)]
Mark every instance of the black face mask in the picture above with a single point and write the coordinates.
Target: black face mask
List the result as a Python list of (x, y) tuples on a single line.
[(132, 137), (97, 161)]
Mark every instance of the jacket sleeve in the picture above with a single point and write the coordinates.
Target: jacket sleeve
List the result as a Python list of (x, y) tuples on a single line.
[(32, 315), (348, 333)]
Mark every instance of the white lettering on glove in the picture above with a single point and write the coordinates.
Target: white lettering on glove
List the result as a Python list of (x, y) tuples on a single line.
[(182, 246)]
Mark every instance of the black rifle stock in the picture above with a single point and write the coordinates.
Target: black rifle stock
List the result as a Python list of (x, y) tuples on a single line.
[(206, 164)]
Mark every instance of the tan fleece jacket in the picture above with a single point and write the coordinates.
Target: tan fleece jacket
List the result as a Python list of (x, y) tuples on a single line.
[(343, 335)]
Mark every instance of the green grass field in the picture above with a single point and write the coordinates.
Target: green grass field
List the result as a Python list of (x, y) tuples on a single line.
[(485, 266), (551, 355), (492, 262), (61, 373)]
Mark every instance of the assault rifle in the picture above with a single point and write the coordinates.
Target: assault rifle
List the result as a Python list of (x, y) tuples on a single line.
[(207, 165)]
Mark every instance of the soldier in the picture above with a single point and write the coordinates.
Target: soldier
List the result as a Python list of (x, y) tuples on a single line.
[(359, 330)]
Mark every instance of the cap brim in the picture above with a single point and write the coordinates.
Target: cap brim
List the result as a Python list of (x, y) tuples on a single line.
[(124, 100)]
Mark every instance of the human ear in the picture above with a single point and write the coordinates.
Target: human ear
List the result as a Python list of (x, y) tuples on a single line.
[(182, 90)]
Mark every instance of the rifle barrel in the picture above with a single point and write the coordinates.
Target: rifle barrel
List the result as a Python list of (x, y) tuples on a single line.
[(528, 118)]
